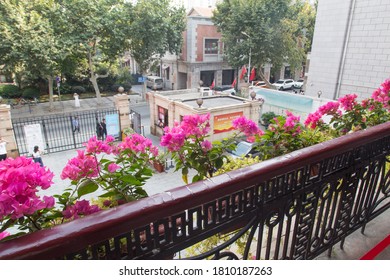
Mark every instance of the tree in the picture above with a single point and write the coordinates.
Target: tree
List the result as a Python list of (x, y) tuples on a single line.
[(268, 29), (157, 29), (29, 43), (99, 30)]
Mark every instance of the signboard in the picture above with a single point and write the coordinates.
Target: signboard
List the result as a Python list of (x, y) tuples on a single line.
[(34, 137), (141, 79), (223, 123), (112, 124)]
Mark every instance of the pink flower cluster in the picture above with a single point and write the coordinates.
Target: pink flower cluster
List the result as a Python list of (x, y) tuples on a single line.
[(95, 146), (382, 94), (192, 125), (348, 101), (291, 122), (138, 144), (247, 126), (82, 166), (19, 179), (79, 209), (4, 234)]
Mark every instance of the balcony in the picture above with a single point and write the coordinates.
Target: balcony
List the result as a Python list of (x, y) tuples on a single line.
[(297, 206)]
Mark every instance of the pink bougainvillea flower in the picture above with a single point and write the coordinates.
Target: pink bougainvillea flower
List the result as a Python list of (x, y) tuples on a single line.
[(82, 166), (246, 126), (112, 167), (19, 182), (348, 101), (206, 145), (4, 234), (173, 138), (291, 121), (95, 146), (196, 125), (313, 119), (79, 209)]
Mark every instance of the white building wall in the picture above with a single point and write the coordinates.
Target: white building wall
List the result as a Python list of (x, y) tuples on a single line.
[(367, 57)]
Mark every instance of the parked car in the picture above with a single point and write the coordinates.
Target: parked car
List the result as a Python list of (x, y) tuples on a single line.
[(154, 82), (298, 83), (244, 149), (224, 89), (284, 84), (259, 84)]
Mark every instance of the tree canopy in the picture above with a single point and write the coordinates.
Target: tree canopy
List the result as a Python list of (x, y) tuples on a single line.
[(272, 30)]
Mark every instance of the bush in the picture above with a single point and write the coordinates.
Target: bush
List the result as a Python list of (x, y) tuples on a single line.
[(78, 89), (267, 117), (31, 93), (10, 91), (126, 86)]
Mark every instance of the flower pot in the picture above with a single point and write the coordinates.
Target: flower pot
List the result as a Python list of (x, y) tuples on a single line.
[(158, 166)]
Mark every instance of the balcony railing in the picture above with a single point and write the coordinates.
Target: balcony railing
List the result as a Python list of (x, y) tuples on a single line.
[(292, 207)]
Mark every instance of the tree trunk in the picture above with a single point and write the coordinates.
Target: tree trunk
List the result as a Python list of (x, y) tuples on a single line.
[(50, 84), (93, 78), (261, 74)]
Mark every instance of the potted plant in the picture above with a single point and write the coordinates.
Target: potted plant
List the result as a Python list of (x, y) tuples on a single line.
[(159, 162)]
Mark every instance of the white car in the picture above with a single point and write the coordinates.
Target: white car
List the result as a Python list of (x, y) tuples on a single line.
[(284, 84), (298, 83)]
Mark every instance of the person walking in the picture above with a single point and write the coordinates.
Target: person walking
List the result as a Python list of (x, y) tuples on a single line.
[(3, 149), (76, 100), (37, 155), (76, 125), (104, 129), (99, 130)]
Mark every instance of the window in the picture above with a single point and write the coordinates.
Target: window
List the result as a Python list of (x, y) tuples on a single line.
[(211, 46)]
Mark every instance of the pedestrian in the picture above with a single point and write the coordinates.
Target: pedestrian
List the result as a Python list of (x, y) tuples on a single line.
[(3, 149), (76, 124), (104, 129), (37, 155), (76, 100), (99, 130)]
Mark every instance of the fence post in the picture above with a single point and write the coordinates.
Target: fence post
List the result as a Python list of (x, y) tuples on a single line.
[(6, 130), (122, 104)]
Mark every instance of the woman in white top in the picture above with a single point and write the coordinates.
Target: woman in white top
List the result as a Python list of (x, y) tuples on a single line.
[(37, 156), (3, 149)]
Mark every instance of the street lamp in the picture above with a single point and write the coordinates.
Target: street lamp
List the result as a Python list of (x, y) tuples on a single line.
[(250, 54), (319, 93)]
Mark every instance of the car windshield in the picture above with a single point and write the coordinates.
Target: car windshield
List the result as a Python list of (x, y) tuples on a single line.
[(279, 82), (158, 81), (242, 149), (300, 80)]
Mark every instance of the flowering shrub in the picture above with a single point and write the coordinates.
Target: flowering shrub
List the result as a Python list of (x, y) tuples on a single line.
[(121, 179), (347, 114), (20, 206), (190, 149)]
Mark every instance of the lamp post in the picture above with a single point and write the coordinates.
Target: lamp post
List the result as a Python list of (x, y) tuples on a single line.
[(319, 93), (250, 54)]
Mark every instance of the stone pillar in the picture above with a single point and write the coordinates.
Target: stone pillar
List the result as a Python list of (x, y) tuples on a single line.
[(6, 130), (153, 112), (122, 104), (255, 111)]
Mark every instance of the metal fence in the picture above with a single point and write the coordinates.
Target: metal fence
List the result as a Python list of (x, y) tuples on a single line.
[(57, 132)]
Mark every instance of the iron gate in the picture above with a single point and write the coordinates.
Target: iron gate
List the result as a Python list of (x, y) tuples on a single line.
[(57, 130), (136, 122)]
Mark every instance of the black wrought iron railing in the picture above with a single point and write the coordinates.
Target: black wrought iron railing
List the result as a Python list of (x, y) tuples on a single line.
[(292, 207)]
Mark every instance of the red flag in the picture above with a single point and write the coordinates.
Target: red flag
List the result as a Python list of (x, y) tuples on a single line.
[(213, 84), (253, 74), (234, 82), (243, 72)]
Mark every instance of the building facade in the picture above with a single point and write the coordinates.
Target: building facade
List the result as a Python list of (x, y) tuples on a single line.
[(201, 58), (351, 48)]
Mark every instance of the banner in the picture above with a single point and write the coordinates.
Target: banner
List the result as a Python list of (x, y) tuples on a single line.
[(223, 123), (33, 133), (112, 123)]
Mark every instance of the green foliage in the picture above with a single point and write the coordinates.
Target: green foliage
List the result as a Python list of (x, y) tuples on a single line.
[(10, 91), (236, 163), (78, 89), (270, 29), (267, 117), (31, 93)]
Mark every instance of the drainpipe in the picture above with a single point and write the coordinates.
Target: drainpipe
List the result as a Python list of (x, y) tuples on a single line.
[(340, 70)]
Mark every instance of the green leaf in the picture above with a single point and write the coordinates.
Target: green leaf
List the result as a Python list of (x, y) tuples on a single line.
[(131, 180), (88, 186)]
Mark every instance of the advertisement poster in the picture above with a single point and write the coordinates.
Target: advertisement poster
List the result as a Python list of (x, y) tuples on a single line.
[(34, 137), (223, 123), (112, 123)]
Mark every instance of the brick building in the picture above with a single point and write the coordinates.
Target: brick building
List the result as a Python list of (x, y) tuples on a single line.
[(351, 48)]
